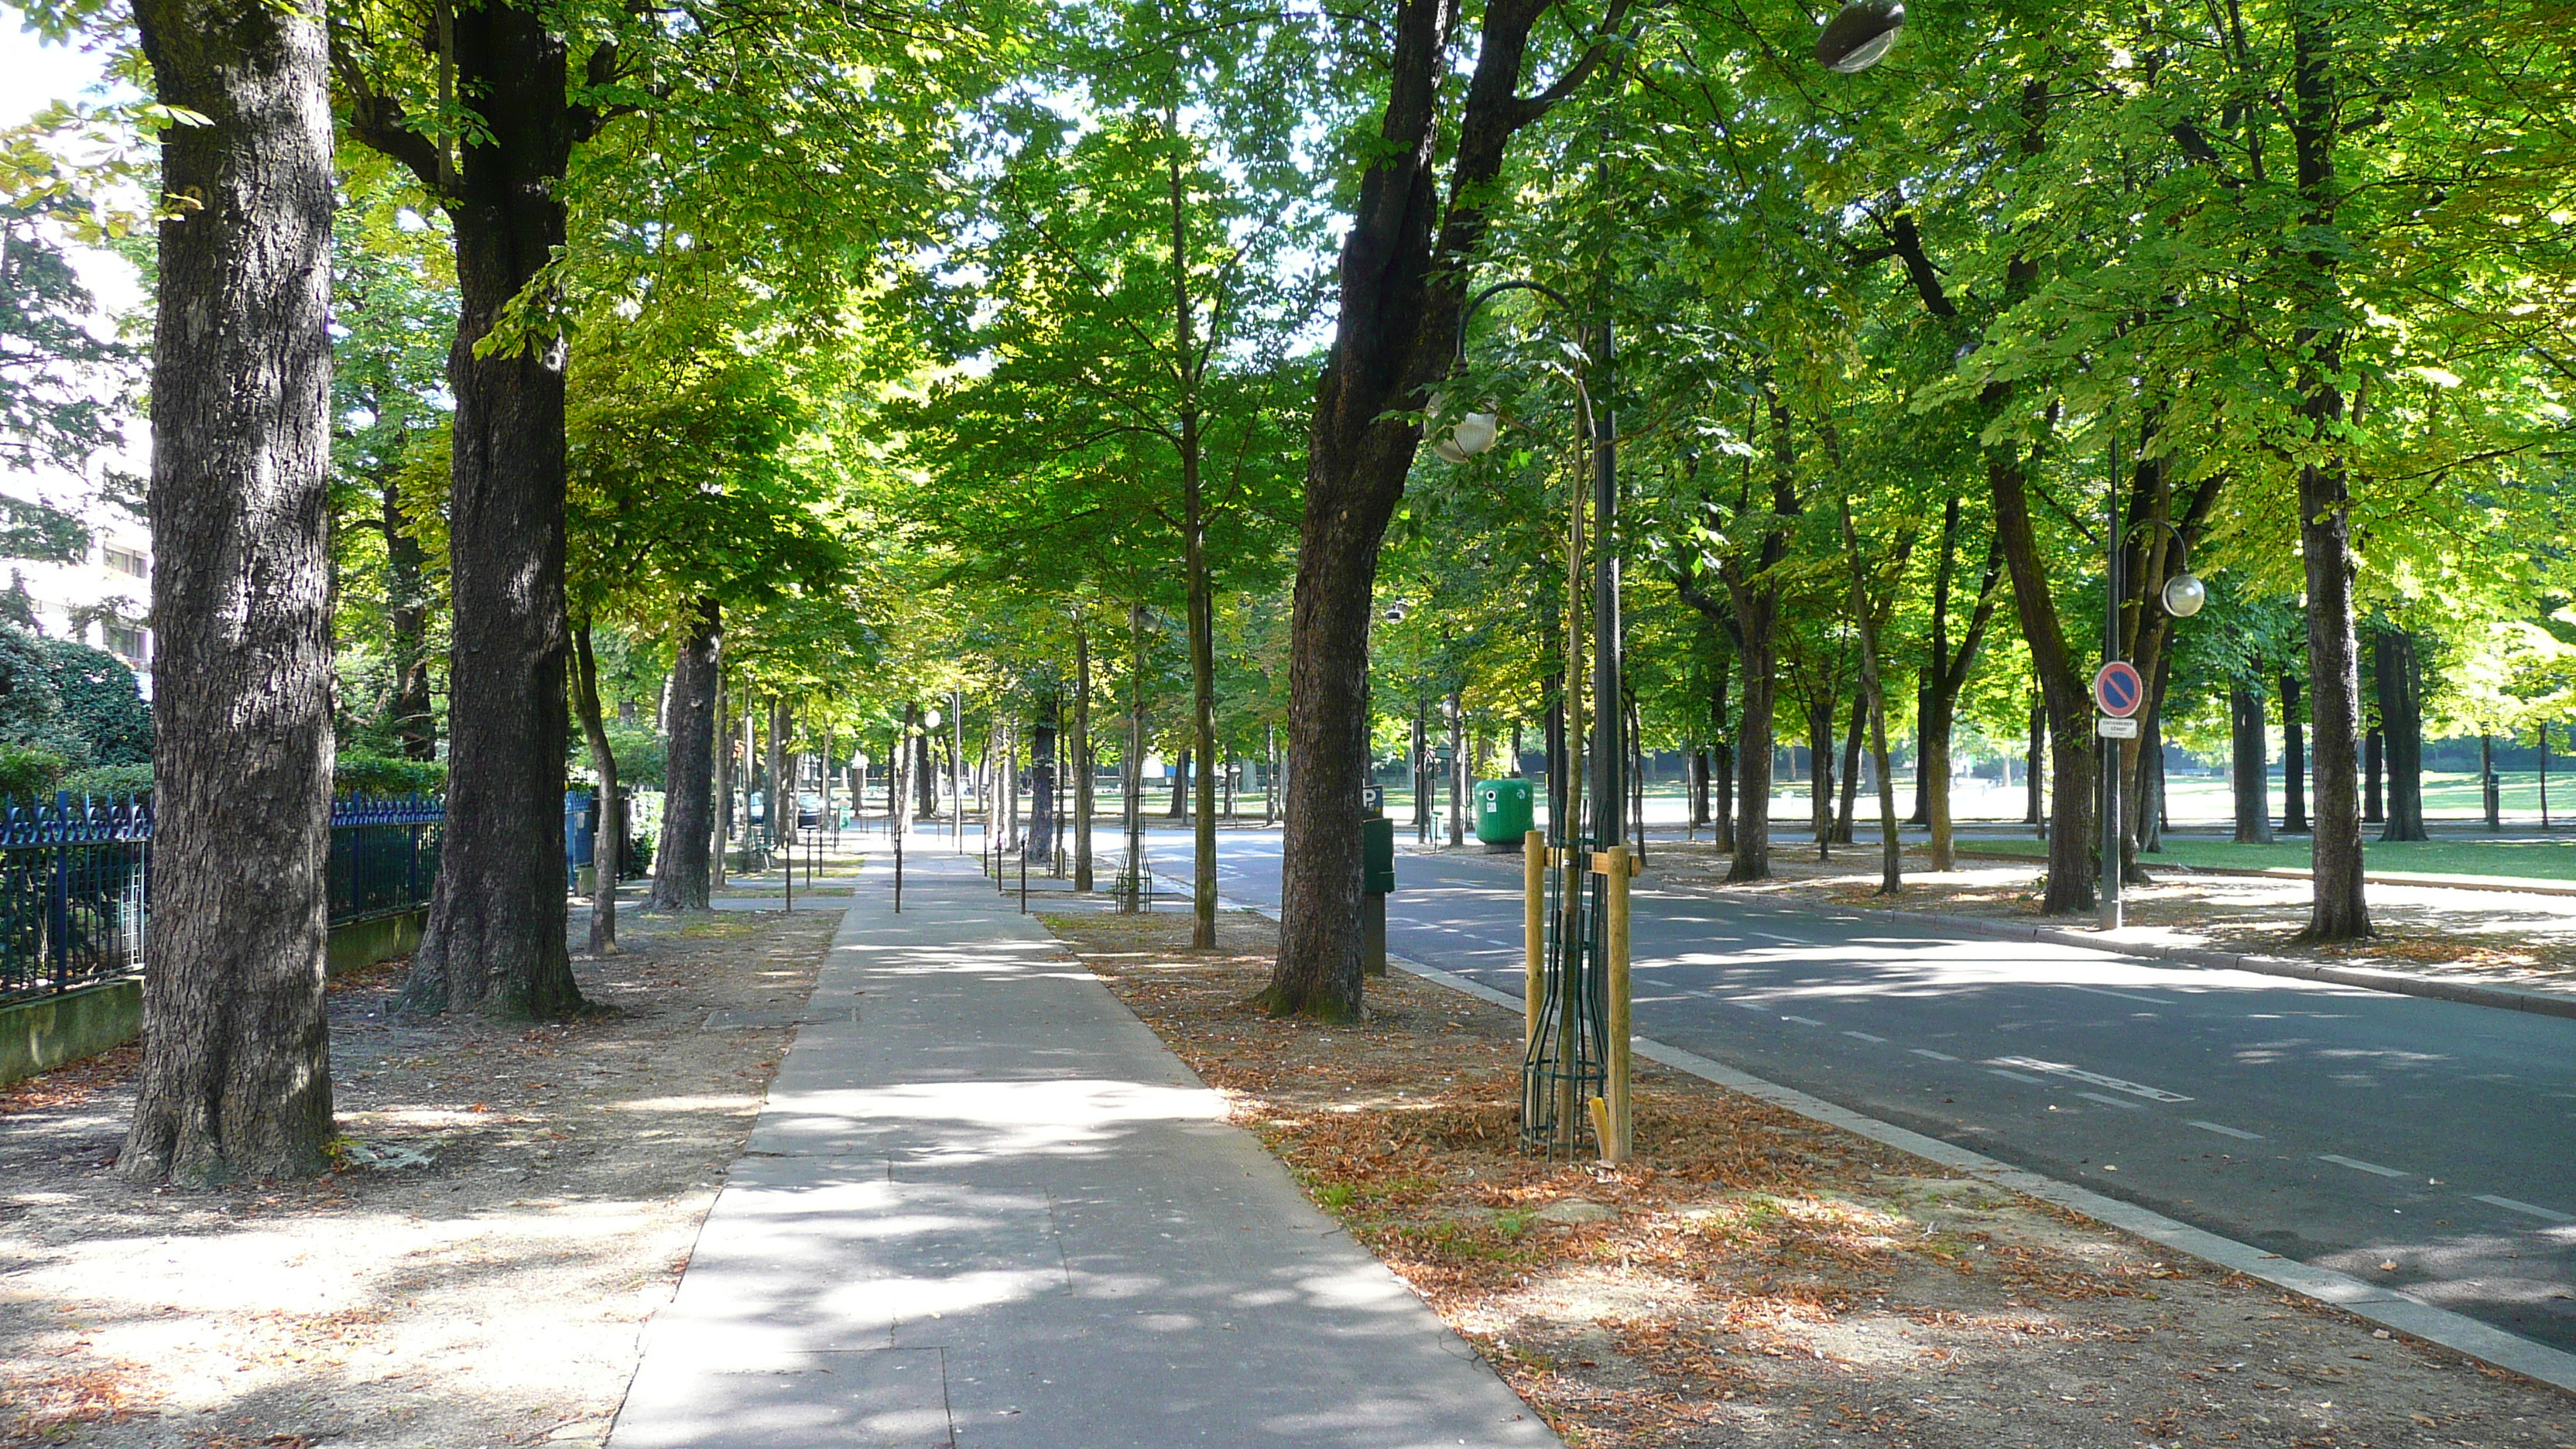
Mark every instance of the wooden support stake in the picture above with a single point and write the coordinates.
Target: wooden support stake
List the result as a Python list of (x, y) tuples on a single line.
[(1615, 1142), (1534, 933)]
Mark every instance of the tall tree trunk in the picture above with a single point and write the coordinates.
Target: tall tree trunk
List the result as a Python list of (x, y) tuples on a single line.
[(2035, 767), (1404, 276), (2294, 761), (1458, 771), (2062, 694), (690, 791), (1891, 878), (720, 771), (1697, 765), (2490, 794), (2148, 827), (2400, 673), (1922, 756), (1757, 612), (1850, 785), (1945, 678), (608, 842), (1043, 809), (1820, 772), (1179, 806), (236, 1077), (2374, 809), (407, 605), (2245, 767), (778, 803), (2338, 910), (925, 779), (495, 939), (1132, 771), (1084, 776)]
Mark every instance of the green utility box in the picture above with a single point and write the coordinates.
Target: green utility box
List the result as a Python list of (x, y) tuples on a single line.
[(1504, 813), (1377, 855)]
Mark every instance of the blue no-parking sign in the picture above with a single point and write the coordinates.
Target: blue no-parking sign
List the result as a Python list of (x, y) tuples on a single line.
[(2118, 689)]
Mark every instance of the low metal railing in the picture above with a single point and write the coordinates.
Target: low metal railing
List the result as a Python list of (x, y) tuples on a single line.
[(75, 880)]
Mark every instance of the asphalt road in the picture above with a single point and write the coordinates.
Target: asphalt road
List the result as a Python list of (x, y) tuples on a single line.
[(2342, 1127)]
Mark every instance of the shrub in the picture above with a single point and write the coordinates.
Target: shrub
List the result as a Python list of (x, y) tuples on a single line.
[(31, 709), (28, 774), (108, 781), (100, 701), (387, 775)]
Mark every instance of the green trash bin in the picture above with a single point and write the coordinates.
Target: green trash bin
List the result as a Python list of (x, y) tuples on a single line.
[(1377, 855), (1504, 813)]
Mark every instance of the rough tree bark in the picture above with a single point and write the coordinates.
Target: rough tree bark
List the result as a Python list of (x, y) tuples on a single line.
[(2399, 670), (608, 844), (1083, 774), (236, 1078), (1945, 677), (1042, 802), (1404, 275), (1131, 774), (407, 604), (778, 789), (2374, 809), (2035, 769), (680, 857), (2294, 760), (1850, 783), (2245, 764), (2338, 909), (495, 939)]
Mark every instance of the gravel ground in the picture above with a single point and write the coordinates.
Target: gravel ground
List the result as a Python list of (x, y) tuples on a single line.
[(514, 1204)]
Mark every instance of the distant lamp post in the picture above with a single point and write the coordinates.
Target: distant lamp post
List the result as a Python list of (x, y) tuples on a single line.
[(1860, 35)]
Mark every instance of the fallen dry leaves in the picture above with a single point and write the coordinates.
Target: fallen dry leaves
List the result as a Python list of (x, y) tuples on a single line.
[(1753, 1276)]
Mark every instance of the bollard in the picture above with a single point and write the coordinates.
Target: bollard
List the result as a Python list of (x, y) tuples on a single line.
[(1024, 880), (898, 874)]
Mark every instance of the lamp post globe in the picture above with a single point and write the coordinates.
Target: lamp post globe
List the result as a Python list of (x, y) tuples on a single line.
[(2183, 595), (1860, 35), (930, 721)]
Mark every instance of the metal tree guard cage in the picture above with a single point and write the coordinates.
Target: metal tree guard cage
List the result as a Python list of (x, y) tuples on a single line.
[(1566, 1061)]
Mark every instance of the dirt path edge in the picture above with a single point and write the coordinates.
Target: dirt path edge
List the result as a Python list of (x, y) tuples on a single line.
[(2395, 1311)]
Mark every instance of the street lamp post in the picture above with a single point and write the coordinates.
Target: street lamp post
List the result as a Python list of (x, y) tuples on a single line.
[(1569, 1054)]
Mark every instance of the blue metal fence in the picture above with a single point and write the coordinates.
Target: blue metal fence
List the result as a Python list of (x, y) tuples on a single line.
[(75, 880)]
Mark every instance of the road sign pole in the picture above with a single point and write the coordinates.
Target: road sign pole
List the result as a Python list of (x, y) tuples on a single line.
[(2107, 751)]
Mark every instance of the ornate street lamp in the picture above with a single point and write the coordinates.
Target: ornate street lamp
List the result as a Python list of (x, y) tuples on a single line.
[(1860, 36)]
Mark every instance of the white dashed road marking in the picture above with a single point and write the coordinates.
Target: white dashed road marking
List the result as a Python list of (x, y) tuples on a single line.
[(2061, 1069), (2111, 1101), (2357, 1165), (2551, 1215), (2123, 995), (2016, 1076), (2238, 1133), (1803, 1020), (1864, 1036), (1928, 1052)]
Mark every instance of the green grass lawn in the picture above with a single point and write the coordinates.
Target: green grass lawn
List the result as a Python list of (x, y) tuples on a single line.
[(2530, 860)]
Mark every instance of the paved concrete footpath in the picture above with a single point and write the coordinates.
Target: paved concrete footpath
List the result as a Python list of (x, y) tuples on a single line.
[(983, 1206)]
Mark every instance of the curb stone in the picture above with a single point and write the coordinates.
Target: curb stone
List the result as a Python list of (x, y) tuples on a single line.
[(2410, 1316)]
